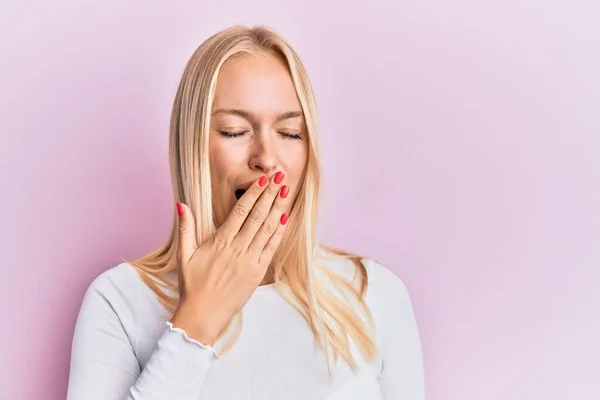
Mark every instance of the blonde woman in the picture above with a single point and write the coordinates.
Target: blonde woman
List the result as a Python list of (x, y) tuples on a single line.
[(242, 301)]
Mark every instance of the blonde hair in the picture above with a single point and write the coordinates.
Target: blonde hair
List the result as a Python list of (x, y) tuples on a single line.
[(330, 303)]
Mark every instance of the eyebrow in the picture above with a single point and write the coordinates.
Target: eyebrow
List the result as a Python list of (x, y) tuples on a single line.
[(252, 117)]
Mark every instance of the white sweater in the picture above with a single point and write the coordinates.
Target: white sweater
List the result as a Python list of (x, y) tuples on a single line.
[(124, 348)]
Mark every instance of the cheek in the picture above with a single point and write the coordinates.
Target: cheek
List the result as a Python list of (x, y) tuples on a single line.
[(297, 160), (221, 171), (296, 165), (225, 160), (217, 160), (224, 164)]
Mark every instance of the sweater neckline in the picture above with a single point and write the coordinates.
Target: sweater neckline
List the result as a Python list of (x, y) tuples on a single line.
[(265, 288)]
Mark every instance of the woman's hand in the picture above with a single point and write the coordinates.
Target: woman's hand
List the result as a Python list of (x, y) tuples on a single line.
[(217, 278)]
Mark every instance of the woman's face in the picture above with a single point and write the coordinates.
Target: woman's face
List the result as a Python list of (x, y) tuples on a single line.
[(257, 128)]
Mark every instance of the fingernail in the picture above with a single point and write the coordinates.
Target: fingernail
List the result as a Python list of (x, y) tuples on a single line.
[(179, 209), (285, 190), (263, 181), (279, 177), (284, 219)]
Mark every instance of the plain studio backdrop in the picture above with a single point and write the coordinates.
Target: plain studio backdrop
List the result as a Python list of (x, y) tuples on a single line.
[(461, 148)]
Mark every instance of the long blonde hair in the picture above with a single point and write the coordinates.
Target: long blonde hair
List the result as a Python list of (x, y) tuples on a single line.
[(332, 305)]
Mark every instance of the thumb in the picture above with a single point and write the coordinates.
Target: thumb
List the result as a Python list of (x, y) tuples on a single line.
[(187, 234)]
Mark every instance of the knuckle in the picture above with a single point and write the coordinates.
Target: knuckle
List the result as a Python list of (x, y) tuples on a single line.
[(268, 227), (273, 189), (279, 206), (278, 236), (240, 210), (271, 247), (236, 250), (219, 241), (257, 215), (182, 227), (255, 191)]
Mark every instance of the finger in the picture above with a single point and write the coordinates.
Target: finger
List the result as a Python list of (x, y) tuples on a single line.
[(271, 246), (271, 223), (187, 234), (235, 220), (260, 212)]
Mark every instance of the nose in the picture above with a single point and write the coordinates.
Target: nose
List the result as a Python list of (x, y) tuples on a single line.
[(263, 155)]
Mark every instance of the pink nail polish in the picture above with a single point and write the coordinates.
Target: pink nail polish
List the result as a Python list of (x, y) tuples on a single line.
[(285, 190), (284, 219), (279, 177)]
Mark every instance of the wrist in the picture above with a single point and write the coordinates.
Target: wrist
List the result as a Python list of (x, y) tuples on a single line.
[(194, 325)]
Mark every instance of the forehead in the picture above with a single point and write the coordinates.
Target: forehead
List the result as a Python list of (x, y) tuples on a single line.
[(257, 83)]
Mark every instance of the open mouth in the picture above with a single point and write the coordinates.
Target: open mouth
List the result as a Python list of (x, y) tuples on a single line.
[(239, 193)]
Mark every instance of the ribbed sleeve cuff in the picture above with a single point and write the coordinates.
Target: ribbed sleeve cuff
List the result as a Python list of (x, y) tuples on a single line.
[(182, 336)]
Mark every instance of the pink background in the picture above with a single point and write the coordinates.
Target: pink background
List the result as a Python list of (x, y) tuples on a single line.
[(461, 148)]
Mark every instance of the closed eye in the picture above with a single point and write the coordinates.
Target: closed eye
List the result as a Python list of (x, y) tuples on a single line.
[(290, 135), (232, 134), (286, 135)]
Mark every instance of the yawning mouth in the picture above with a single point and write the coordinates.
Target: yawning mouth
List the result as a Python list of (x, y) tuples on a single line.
[(239, 193)]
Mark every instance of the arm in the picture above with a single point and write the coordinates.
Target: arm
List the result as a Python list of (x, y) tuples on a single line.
[(104, 365), (402, 374)]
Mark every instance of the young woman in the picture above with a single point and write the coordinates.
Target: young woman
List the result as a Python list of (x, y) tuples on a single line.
[(242, 301)]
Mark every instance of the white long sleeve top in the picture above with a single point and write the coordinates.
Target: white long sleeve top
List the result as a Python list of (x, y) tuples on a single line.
[(124, 348)]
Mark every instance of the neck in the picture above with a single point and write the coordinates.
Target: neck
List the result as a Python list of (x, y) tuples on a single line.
[(268, 279)]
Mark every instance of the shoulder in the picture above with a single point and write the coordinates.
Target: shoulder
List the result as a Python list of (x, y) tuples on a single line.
[(387, 298), (116, 292), (109, 306), (384, 284), (386, 292), (390, 303), (120, 282)]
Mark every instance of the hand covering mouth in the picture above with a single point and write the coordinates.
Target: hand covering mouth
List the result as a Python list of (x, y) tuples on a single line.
[(239, 192)]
